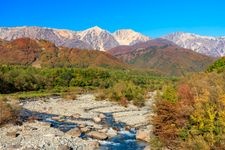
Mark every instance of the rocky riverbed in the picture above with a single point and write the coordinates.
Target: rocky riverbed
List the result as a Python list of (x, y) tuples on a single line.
[(85, 123)]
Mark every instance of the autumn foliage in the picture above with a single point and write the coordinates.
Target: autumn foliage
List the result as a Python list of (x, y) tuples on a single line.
[(196, 118), (41, 53)]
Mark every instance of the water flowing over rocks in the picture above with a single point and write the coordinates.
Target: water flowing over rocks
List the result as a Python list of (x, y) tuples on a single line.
[(84, 123)]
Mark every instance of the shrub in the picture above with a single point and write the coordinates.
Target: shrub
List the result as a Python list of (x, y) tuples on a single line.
[(155, 143), (191, 115), (127, 91), (101, 94), (196, 143), (218, 66), (19, 78), (7, 113), (69, 96), (170, 93), (119, 85), (165, 122), (117, 91)]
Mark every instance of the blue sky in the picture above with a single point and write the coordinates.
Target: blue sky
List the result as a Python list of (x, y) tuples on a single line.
[(151, 17)]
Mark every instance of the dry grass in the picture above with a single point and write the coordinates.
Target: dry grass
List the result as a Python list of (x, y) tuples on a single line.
[(69, 96), (101, 94), (7, 112)]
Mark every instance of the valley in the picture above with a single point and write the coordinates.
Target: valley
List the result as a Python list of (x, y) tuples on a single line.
[(112, 75), (93, 89)]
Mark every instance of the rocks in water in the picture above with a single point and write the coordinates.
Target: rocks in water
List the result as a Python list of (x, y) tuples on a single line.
[(111, 132), (97, 135), (143, 135), (84, 129), (104, 130), (147, 148), (56, 118), (74, 132), (82, 125), (62, 119), (97, 119), (32, 118), (46, 124), (101, 116), (97, 126), (127, 128), (93, 145), (116, 128)]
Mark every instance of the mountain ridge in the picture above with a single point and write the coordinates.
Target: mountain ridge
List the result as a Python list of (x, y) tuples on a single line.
[(164, 56), (96, 38), (91, 38), (42, 53), (208, 45)]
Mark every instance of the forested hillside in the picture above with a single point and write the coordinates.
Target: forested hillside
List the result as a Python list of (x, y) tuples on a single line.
[(190, 115)]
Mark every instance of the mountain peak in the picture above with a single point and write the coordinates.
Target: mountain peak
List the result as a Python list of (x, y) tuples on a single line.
[(129, 37), (96, 29)]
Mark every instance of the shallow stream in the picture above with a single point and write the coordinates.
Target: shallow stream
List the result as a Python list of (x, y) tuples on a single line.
[(124, 140)]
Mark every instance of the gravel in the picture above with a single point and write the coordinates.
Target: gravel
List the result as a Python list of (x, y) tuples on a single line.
[(84, 110)]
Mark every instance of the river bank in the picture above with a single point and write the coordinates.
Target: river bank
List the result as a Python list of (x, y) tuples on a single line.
[(84, 123)]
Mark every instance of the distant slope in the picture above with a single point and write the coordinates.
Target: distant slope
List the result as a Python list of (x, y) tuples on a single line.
[(211, 46), (164, 56), (40, 53)]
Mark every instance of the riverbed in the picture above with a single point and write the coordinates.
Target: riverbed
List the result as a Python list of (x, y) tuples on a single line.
[(84, 123)]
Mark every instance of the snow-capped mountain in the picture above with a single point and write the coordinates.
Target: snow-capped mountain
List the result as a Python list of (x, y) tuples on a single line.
[(92, 38), (98, 38), (31, 32), (129, 37), (211, 46)]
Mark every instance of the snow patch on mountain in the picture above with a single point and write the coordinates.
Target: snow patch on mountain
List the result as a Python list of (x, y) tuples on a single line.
[(208, 45), (98, 38), (92, 38), (129, 37)]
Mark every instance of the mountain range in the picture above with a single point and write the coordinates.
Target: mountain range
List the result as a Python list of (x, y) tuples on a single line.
[(174, 54), (93, 38), (96, 38)]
